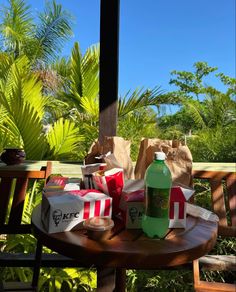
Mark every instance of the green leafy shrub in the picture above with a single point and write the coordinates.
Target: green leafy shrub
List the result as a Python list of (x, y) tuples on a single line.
[(151, 281)]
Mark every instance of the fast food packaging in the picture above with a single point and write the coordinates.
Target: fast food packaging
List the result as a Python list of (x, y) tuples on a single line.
[(61, 183), (110, 182), (179, 196), (131, 203), (64, 210), (87, 171)]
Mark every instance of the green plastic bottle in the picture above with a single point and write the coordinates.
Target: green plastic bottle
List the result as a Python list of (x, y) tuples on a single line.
[(158, 181)]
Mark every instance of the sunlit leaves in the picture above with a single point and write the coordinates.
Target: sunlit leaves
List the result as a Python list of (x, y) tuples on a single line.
[(16, 26), (63, 136), (23, 110)]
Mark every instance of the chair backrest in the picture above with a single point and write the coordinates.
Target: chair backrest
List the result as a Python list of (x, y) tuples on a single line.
[(223, 198), (14, 183)]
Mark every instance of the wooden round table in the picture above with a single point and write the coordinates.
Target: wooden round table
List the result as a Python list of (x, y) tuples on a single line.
[(130, 249)]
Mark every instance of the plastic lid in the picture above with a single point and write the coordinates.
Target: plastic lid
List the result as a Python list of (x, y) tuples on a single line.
[(98, 223), (160, 156)]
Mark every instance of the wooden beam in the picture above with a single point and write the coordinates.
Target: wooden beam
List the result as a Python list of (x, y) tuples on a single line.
[(109, 61)]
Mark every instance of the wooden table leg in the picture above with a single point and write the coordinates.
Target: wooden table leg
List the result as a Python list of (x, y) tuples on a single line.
[(109, 280), (105, 280), (120, 280)]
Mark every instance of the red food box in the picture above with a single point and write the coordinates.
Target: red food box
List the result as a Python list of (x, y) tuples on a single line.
[(178, 203), (110, 182)]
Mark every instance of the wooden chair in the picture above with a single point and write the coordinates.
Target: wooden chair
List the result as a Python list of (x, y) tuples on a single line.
[(223, 201), (14, 184)]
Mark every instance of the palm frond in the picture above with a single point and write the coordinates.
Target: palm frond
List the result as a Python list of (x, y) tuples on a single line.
[(31, 86), (9, 130), (76, 75), (197, 112), (17, 25), (91, 107), (63, 139), (5, 62), (61, 66), (90, 73), (23, 117), (138, 99), (53, 31), (32, 93), (84, 80)]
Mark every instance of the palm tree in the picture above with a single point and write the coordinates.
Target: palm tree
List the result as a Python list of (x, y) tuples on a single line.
[(23, 108), (39, 42), (218, 109)]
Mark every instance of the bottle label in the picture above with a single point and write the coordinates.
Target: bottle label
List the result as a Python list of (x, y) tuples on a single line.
[(157, 202)]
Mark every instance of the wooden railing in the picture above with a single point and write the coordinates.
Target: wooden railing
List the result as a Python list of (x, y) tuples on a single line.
[(73, 168)]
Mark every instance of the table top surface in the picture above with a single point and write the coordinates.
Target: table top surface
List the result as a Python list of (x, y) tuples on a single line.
[(131, 249)]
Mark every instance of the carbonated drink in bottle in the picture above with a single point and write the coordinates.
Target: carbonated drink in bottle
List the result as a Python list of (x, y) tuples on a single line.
[(158, 181)]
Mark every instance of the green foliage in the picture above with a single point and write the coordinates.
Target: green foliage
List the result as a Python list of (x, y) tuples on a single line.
[(53, 31), (182, 121), (63, 280), (40, 40), (16, 26), (209, 124), (189, 83), (138, 124), (62, 137), (23, 108), (214, 145), (217, 109), (138, 99), (151, 281), (21, 99)]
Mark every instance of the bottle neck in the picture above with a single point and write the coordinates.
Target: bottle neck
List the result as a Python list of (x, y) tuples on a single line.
[(159, 161)]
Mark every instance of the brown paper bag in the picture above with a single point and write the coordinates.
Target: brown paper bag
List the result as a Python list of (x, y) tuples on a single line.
[(179, 159), (119, 157)]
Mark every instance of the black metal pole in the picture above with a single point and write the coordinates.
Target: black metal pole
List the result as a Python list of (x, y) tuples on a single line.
[(109, 62)]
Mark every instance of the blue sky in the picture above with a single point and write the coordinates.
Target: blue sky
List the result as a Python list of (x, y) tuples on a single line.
[(158, 36)]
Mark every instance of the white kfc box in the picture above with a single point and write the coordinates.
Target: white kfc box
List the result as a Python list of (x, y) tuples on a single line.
[(131, 203), (64, 210)]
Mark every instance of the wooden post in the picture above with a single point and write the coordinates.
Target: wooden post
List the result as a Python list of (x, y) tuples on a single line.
[(109, 61)]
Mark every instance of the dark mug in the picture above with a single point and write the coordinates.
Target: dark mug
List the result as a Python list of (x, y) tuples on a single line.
[(12, 156)]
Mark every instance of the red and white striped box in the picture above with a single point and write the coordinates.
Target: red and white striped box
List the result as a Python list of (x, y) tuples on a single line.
[(111, 182), (179, 196), (64, 210)]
